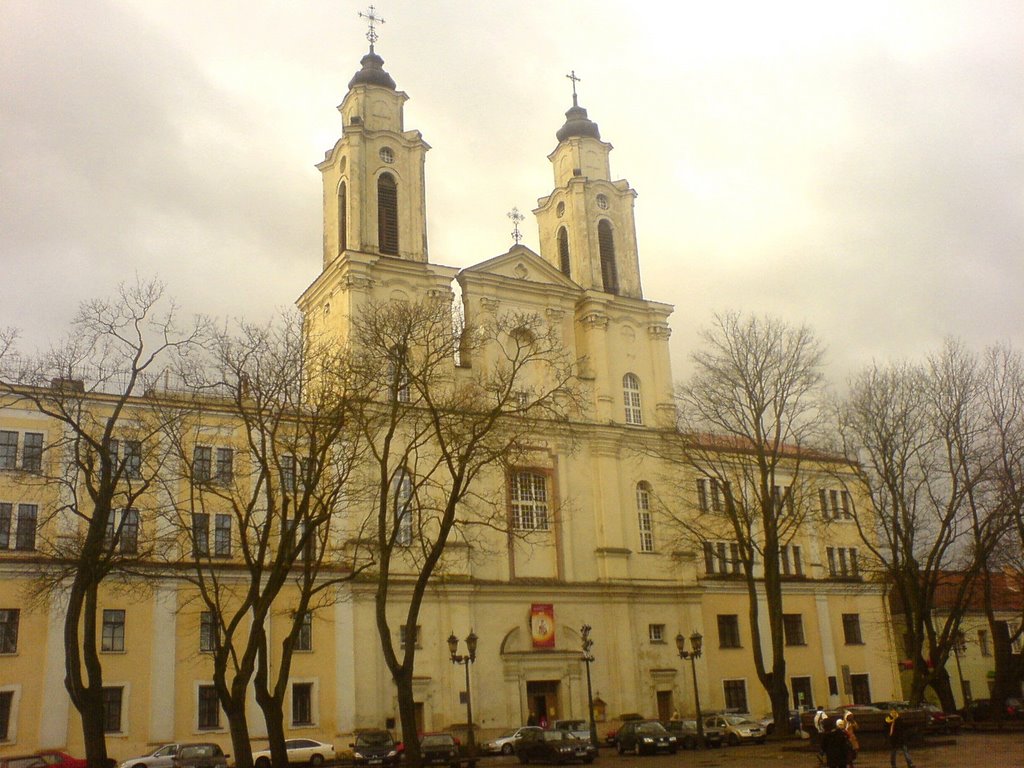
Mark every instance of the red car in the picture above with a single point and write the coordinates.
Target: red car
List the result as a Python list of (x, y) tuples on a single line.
[(55, 759)]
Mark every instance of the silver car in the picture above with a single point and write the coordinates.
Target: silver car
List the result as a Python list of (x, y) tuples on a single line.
[(506, 743), (161, 757)]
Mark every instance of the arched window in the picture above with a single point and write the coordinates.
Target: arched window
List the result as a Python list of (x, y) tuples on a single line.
[(387, 214), (401, 496), (342, 218), (398, 375), (606, 244), (643, 514), (631, 398), (563, 251)]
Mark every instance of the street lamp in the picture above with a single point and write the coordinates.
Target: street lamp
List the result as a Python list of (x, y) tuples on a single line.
[(696, 639), (469, 658), (587, 658), (960, 646)]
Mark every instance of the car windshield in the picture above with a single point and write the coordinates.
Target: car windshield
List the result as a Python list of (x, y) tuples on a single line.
[(374, 739), (437, 739), (556, 735), (737, 720), (650, 728)]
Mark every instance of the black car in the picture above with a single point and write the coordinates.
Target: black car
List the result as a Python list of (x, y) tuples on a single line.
[(553, 747), (645, 737), (687, 737), (374, 748), (439, 748)]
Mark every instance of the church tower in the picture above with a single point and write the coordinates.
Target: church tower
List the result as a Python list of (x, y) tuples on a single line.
[(373, 177), (586, 224)]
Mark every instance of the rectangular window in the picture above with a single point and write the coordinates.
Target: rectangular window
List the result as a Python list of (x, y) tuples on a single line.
[(288, 473), (529, 496), (207, 632), (32, 452), (304, 642), (132, 459), (302, 703), (735, 695), (403, 636), (789, 560), (983, 644), (112, 701), (656, 633), (721, 557), (835, 504), (842, 562), (728, 630), (702, 495), (113, 631), (8, 450), (209, 707), (202, 464), (646, 531), (9, 618), (711, 489), (6, 705), (25, 537), (130, 532), (6, 510), (803, 693), (782, 497), (200, 534), (793, 628), (851, 629), (222, 536), (225, 471)]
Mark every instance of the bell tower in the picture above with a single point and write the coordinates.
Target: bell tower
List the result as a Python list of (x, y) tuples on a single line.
[(373, 177), (586, 224)]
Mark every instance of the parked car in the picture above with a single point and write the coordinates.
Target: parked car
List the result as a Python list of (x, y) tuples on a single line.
[(578, 728), (687, 737), (768, 721), (553, 747), (983, 709), (942, 722), (439, 748), (374, 747), (161, 757), (204, 755), (299, 751), (737, 728), (22, 761), (506, 743), (645, 737), (56, 759), (611, 738)]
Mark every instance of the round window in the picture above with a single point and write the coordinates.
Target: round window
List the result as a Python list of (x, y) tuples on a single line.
[(387, 155), (560, 210), (602, 202)]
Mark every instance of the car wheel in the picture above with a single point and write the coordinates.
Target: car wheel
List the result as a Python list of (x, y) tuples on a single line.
[(316, 760), (734, 740), (506, 749)]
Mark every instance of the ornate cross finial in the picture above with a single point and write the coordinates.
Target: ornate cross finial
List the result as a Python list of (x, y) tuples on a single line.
[(371, 19), (571, 76), (516, 217)]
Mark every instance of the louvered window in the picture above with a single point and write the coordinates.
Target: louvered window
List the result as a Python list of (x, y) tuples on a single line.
[(563, 251), (387, 214), (606, 243)]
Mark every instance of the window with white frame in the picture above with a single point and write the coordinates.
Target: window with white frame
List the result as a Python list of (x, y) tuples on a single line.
[(208, 716), (528, 492), (113, 631), (842, 562), (202, 464), (302, 703), (656, 633), (721, 557), (123, 531), (25, 534), (631, 398), (127, 457), (8, 449), (790, 561), (222, 535), (113, 703), (643, 513), (208, 632), (288, 473), (835, 504), (200, 534), (31, 450), (224, 469), (9, 620)]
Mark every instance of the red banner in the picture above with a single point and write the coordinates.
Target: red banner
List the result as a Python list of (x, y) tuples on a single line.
[(542, 625)]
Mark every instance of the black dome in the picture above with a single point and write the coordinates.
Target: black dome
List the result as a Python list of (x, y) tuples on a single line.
[(578, 125), (372, 73)]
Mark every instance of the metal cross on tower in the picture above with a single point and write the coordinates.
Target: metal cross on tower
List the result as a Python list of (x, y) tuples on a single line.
[(571, 76), (371, 18), (516, 217)]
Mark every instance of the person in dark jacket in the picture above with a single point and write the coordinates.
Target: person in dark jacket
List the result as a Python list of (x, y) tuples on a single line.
[(899, 734), (835, 745)]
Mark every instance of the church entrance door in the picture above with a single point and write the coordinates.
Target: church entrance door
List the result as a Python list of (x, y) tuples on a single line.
[(542, 698)]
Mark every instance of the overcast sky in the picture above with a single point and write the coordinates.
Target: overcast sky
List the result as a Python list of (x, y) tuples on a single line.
[(856, 166)]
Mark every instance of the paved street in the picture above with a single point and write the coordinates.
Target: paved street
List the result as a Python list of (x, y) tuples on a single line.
[(970, 750)]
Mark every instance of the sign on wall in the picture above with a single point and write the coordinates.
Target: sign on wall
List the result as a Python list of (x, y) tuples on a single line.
[(542, 625)]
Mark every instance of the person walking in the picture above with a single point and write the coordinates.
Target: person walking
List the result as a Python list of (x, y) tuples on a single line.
[(835, 745), (819, 726), (849, 726), (899, 734)]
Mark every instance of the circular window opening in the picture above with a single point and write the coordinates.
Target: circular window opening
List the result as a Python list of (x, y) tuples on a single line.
[(387, 155), (602, 202), (560, 210)]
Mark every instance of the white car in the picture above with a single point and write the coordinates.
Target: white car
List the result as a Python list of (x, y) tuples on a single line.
[(506, 743), (299, 751)]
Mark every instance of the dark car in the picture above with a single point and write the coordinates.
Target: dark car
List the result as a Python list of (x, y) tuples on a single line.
[(687, 737), (942, 722), (200, 756), (374, 748), (645, 737), (984, 709), (553, 747), (439, 748)]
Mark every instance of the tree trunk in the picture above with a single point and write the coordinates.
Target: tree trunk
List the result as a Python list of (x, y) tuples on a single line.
[(239, 729), (407, 716), (943, 687), (85, 691), (273, 714)]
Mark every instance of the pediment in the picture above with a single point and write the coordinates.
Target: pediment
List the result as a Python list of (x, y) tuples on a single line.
[(521, 263)]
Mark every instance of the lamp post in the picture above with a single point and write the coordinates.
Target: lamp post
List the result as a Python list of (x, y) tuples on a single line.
[(960, 646), (469, 658), (587, 658), (696, 639)]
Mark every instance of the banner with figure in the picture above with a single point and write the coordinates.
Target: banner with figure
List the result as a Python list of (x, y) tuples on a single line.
[(542, 625)]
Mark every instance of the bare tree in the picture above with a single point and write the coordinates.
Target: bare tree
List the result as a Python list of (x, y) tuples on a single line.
[(434, 427), (282, 400), (920, 436), (747, 420), (103, 459)]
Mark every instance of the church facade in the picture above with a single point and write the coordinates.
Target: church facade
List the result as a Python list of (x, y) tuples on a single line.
[(598, 554)]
